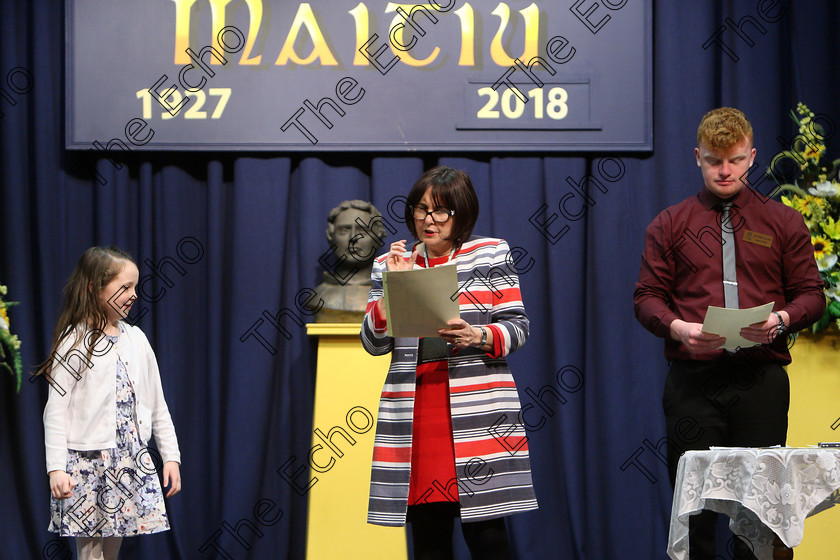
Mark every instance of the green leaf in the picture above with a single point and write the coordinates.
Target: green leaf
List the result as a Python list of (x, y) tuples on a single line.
[(822, 323)]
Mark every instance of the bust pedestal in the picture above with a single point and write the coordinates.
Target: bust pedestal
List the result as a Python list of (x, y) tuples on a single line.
[(349, 382)]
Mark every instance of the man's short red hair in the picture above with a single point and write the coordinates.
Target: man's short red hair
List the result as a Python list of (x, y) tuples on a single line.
[(722, 128)]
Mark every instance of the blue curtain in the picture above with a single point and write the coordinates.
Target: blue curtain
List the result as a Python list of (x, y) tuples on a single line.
[(230, 239)]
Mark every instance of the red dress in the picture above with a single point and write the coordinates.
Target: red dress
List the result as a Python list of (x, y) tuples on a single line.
[(432, 446)]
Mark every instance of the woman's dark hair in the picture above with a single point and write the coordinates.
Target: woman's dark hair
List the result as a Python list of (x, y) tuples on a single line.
[(451, 189)]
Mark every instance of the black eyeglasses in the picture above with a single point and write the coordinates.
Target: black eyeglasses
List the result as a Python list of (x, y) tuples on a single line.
[(439, 215)]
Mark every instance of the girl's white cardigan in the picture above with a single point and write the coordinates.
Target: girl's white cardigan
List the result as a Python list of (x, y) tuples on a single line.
[(81, 411)]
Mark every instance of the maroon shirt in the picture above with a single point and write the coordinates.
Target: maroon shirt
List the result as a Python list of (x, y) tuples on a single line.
[(682, 268)]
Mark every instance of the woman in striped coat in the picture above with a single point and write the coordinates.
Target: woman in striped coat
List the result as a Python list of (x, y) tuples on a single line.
[(448, 438)]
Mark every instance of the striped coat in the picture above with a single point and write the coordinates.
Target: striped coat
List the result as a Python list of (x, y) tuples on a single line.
[(492, 467)]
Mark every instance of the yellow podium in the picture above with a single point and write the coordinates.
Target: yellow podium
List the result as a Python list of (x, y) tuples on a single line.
[(346, 401), (814, 417)]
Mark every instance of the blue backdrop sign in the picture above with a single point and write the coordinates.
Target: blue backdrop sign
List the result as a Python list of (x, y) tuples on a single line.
[(572, 75)]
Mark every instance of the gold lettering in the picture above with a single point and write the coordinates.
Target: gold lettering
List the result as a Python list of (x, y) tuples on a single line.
[(182, 30), (320, 49), (360, 14), (531, 15), (217, 12), (424, 22), (255, 10), (183, 19), (465, 14)]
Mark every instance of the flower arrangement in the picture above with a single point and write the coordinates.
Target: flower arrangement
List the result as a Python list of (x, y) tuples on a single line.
[(9, 343), (816, 195)]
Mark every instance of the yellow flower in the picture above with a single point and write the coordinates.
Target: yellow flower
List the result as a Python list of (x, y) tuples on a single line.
[(816, 201), (831, 228), (800, 205), (813, 152), (4, 315), (822, 247)]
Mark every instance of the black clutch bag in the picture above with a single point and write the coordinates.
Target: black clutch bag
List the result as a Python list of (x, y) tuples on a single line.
[(432, 349)]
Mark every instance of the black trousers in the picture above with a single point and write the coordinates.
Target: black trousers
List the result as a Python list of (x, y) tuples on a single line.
[(432, 527), (727, 402)]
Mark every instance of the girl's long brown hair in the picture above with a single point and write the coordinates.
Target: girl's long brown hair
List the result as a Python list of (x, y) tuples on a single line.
[(82, 305)]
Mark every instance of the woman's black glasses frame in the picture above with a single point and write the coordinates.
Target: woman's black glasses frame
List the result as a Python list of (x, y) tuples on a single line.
[(439, 216)]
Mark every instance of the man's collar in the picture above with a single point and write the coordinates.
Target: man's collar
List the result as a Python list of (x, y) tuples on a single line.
[(710, 200)]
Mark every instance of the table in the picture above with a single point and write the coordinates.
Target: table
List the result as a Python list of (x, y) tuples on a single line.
[(766, 492)]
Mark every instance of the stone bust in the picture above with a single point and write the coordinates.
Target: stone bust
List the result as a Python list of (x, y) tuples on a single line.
[(355, 233)]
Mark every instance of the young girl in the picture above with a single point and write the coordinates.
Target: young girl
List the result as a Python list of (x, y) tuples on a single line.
[(105, 401)]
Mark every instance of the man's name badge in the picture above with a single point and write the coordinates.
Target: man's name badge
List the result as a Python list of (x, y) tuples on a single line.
[(758, 238)]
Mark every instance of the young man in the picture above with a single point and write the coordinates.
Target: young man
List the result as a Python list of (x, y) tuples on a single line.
[(729, 398)]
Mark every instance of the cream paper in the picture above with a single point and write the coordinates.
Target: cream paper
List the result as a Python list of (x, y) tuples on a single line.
[(418, 302), (728, 322)]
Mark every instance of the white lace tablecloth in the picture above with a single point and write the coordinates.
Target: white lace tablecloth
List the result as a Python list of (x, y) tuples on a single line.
[(763, 491)]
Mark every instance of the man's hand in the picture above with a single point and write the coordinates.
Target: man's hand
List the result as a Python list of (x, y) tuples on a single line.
[(696, 341), (766, 332)]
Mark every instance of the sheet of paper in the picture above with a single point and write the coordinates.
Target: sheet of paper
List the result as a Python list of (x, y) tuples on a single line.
[(418, 302), (728, 323)]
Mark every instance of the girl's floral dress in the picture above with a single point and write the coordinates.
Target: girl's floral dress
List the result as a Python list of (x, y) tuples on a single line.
[(117, 492)]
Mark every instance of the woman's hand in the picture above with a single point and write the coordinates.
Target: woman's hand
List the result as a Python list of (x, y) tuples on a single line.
[(395, 260), (172, 477), (462, 335), (61, 485)]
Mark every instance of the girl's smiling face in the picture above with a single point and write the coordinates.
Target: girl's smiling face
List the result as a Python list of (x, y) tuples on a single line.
[(118, 294)]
